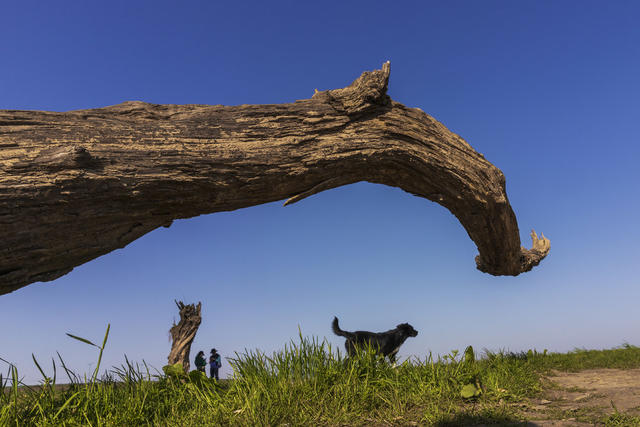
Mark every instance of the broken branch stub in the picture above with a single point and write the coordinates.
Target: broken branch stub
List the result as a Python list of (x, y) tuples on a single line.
[(79, 184)]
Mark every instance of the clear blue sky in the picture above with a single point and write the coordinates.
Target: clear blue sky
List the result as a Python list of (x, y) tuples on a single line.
[(548, 91)]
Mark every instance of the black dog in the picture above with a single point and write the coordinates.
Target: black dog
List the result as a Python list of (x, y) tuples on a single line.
[(386, 343)]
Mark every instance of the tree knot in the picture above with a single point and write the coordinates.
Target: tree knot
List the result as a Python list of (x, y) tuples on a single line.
[(66, 157)]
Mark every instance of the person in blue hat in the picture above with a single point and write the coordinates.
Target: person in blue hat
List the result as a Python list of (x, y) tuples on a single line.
[(215, 362)]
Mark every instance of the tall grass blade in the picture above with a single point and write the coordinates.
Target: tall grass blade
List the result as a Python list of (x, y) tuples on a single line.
[(44, 376), (14, 377), (104, 343), (73, 378), (53, 363), (84, 340), (73, 396)]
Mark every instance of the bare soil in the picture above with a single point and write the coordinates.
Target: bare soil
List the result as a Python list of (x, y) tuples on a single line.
[(585, 398)]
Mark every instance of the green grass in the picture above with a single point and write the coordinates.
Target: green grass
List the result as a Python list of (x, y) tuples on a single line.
[(624, 357), (622, 420), (306, 383)]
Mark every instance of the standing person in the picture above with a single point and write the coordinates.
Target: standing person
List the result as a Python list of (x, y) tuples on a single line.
[(215, 362), (200, 362)]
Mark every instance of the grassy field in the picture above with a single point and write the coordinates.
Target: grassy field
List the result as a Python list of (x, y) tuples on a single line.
[(306, 383)]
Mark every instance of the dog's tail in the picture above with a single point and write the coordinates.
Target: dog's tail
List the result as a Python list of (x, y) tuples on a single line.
[(338, 331)]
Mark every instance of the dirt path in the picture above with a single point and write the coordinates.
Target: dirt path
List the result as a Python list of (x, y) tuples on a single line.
[(584, 398)]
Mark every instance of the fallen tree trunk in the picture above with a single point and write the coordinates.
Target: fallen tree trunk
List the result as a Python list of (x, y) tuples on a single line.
[(79, 184), (183, 333)]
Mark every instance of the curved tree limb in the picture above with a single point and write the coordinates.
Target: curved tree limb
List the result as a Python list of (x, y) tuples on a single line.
[(79, 184)]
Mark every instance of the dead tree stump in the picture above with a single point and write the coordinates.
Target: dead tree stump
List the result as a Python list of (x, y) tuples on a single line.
[(183, 333)]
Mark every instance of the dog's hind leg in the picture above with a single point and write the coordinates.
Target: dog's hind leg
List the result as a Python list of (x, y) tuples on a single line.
[(392, 356), (350, 347)]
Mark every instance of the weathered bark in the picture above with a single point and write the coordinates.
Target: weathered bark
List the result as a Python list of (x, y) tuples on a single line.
[(183, 333), (79, 184)]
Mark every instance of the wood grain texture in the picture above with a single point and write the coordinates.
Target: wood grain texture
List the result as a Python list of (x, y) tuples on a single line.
[(183, 334), (79, 184)]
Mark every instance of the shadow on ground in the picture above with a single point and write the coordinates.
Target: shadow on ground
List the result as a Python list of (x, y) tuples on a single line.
[(483, 420)]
